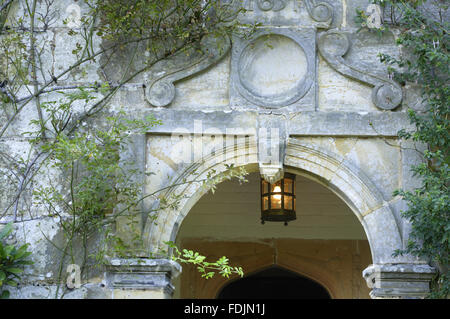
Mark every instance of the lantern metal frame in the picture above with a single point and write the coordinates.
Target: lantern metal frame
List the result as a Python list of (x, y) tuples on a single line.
[(279, 212)]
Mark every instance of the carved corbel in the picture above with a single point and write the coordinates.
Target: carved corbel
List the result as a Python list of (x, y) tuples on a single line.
[(160, 90), (333, 45), (271, 173), (271, 136)]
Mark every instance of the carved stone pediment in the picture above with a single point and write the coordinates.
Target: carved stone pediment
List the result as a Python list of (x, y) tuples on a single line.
[(294, 48), (276, 67)]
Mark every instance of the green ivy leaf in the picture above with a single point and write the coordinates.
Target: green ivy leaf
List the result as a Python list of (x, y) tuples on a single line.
[(5, 294), (6, 230), (14, 271)]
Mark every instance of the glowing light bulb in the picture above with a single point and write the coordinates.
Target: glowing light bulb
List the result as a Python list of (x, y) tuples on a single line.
[(276, 190)]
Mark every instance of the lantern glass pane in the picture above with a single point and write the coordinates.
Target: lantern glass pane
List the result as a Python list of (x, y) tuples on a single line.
[(288, 202), (275, 202), (288, 185)]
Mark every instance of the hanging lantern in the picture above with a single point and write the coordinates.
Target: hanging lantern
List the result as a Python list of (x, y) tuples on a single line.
[(278, 200)]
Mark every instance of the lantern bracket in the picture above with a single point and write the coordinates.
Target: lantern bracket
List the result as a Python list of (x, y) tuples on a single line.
[(271, 173)]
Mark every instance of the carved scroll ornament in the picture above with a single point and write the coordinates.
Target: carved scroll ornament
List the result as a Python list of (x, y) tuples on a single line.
[(160, 91), (333, 45), (320, 11)]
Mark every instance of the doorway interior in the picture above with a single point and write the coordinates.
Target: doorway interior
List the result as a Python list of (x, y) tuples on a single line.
[(274, 283)]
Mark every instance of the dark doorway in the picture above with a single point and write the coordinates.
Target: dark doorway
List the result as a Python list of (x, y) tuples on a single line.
[(274, 283)]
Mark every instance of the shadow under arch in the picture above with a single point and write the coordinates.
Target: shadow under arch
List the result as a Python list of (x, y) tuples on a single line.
[(273, 282), (329, 169)]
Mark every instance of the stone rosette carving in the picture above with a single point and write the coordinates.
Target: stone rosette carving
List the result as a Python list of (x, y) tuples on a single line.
[(320, 11), (333, 46), (304, 13), (274, 5)]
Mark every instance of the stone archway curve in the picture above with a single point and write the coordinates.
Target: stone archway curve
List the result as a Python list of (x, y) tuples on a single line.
[(261, 269), (330, 169)]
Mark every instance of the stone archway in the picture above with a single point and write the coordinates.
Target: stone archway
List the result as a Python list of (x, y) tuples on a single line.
[(331, 170), (355, 189), (388, 276)]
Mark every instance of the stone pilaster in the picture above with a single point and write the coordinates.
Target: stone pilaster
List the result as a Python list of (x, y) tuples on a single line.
[(142, 278), (401, 281)]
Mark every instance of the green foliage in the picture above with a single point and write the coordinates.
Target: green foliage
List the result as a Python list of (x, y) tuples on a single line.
[(98, 185), (166, 20), (97, 180), (425, 60), (12, 260), (13, 67), (162, 27), (206, 269)]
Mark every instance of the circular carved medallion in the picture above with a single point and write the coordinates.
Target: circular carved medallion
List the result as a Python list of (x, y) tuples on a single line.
[(273, 70)]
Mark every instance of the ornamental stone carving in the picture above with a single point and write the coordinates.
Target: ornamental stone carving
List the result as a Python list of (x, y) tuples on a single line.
[(334, 45), (274, 68), (300, 13), (320, 11), (160, 89)]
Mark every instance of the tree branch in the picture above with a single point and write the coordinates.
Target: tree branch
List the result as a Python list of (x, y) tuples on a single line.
[(33, 66), (5, 5)]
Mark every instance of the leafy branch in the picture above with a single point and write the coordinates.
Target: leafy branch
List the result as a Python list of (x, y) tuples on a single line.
[(205, 268)]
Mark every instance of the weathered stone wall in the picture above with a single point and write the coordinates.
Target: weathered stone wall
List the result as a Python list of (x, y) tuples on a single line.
[(321, 86)]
